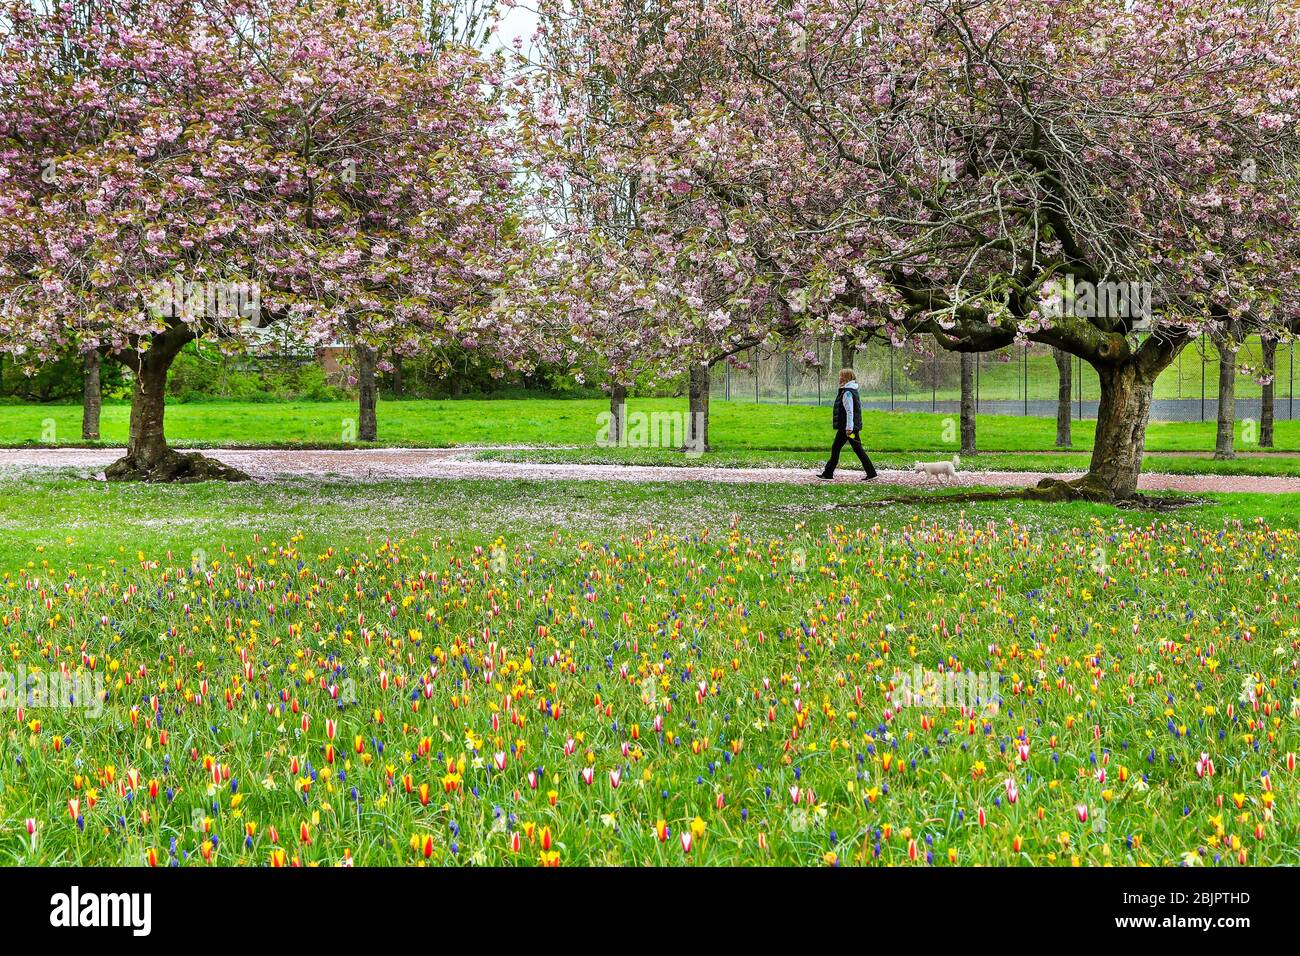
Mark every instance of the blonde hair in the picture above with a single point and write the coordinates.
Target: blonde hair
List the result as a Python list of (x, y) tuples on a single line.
[(847, 375)]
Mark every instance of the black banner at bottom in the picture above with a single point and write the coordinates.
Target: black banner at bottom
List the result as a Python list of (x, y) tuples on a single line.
[(353, 904)]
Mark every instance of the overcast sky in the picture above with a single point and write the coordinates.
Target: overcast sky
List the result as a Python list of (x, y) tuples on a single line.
[(517, 22)]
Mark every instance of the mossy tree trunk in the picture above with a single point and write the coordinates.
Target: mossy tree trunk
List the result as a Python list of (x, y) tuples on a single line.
[(1064, 365), (697, 422), (617, 414), (1228, 345), (968, 360), (148, 456), (367, 393), (1266, 410), (92, 398)]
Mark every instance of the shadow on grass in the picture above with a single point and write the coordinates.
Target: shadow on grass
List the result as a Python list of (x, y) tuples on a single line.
[(1045, 493)]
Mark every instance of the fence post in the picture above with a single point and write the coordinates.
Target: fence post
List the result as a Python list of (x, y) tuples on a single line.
[(787, 378), (891, 376), (934, 382), (755, 363), (1202, 378), (821, 370), (1026, 369), (978, 363), (1078, 390), (1290, 401)]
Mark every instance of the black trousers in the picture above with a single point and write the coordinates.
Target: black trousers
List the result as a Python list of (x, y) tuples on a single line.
[(841, 436)]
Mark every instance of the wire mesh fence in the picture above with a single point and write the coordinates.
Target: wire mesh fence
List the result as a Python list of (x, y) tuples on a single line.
[(1022, 380)]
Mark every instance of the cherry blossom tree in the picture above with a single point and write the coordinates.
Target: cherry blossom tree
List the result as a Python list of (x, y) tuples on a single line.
[(98, 163), (621, 269), (398, 211), (1110, 179), (179, 170)]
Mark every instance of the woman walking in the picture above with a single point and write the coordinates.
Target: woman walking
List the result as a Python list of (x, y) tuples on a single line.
[(847, 419)]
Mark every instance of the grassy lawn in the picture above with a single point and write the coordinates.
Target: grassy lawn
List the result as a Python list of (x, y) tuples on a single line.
[(735, 426), (533, 673)]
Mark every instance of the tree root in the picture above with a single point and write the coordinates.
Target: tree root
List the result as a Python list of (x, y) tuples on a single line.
[(1047, 491), (1086, 488), (174, 467)]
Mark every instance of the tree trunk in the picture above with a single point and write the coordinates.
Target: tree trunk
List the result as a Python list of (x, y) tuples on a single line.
[(1127, 381), (148, 456), (91, 398), (968, 403), (847, 351), (457, 385), (367, 394), (1269, 347), (697, 421), (617, 415), (1223, 440), (1121, 436), (1063, 366), (147, 444)]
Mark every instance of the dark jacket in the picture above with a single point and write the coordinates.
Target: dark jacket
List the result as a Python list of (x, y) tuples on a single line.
[(840, 414)]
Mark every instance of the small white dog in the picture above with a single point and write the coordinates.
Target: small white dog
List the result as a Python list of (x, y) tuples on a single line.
[(935, 469)]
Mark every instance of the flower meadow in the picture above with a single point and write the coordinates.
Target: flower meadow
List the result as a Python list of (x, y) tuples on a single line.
[(664, 699)]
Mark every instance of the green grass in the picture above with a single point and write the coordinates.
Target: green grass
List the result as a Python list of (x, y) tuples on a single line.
[(735, 426), (264, 652)]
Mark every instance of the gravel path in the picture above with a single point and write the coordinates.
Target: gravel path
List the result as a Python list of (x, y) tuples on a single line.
[(409, 463)]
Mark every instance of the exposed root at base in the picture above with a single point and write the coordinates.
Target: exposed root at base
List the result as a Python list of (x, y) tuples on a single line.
[(1048, 491), (174, 467)]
